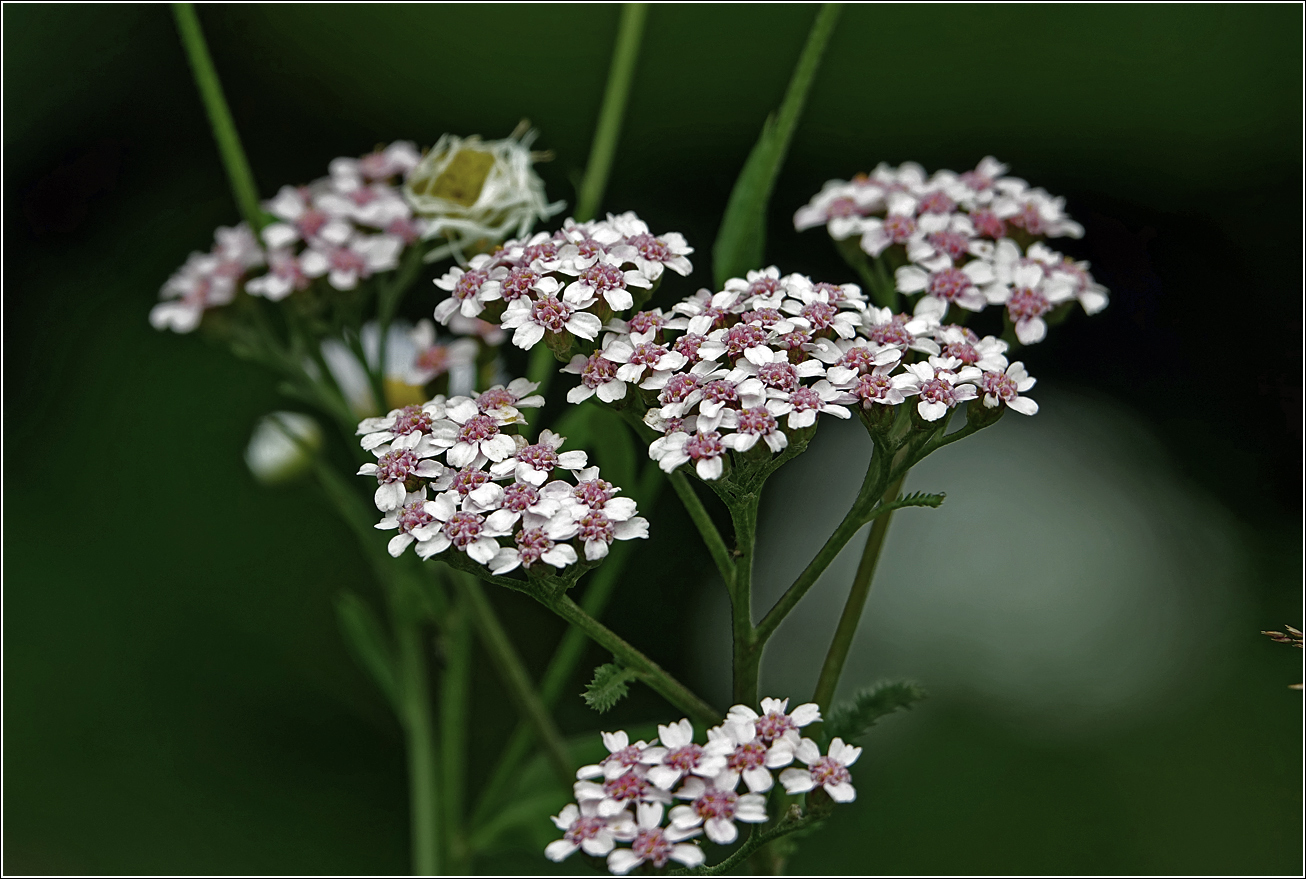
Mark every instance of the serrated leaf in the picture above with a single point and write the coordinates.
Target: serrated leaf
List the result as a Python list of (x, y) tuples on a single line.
[(920, 499), (608, 687), (852, 719), (364, 634)]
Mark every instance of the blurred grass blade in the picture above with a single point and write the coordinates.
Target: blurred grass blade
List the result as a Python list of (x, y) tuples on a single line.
[(741, 240), (368, 640)]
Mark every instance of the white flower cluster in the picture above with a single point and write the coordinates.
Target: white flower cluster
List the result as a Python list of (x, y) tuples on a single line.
[(207, 280), (450, 473), (563, 286), (954, 239), (646, 777)]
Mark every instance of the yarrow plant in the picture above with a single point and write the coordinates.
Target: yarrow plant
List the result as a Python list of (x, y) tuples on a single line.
[(716, 386)]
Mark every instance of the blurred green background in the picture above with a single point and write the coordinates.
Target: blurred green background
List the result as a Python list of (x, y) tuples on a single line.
[(1085, 609)]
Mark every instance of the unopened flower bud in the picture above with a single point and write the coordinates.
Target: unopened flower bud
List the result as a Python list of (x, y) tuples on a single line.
[(282, 446)]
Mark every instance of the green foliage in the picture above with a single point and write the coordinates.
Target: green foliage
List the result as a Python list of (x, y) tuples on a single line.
[(366, 637), (919, 499), (853, 719), (608, 687), (600, 430)]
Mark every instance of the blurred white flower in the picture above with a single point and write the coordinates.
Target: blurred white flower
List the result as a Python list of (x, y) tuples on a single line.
[(282, 446)]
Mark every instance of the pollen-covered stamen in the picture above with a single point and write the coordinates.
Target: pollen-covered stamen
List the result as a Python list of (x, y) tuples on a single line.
[(652, 845), (434, 359), (936, 202), (773, 725), (779, 375), (589, 248), (999, 385), (763, 317), (551, 313), (469, 285), (829, 771), (705, 444), (585, 828), (899, 227), (718, 315), (545, 250), (820, 314), (954, 244), (627, 786), (414, 515), (859, 359), (496, 398), (627, 756), (531, 544), (1026, 303), (477, 428), (652, 249), (598, 370), (750, 755), (716, 804), (688, 345), (963, 351), (411, 419), (872, 388), (647, 354), (684, 759), (741, 337), (344, 259), (463, 529), (593, 493), (540, 456), (603, 277), (468, 480), (765, 286), (756, 421), (594, 525), (678, 388), (793, 341), (396, 466), (519, 497), (949, 284), (895, 332), (988, 224), (720, 391), (938, 391), (646, 322), (519, 283), (805, 399)]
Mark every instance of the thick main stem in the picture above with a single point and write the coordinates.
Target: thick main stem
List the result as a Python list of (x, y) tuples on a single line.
[(853, 607), (747, 648)]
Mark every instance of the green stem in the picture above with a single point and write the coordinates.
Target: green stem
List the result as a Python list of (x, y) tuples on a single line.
[(787, 825), (224, 129), (747, 648), (646, 669), (419, 733), (542, 368), (454, 706), (512, 671), (716, 545), (852, 609), (608, 130)]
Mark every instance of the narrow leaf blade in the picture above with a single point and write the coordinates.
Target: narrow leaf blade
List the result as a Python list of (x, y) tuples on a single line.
[(365, 635)]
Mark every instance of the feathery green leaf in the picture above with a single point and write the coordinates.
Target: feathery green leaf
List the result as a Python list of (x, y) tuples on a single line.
[(853, 719), (608, 687)]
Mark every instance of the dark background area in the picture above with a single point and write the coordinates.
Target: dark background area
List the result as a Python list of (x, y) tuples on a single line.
[(176, 695)]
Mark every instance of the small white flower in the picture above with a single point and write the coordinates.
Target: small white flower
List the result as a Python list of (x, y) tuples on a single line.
[(583, 828), (939, 388), (716, 810), (776, 721), (534, 463), (393, 469), (804, 404), (356, 259), (598, 375), (683, 757), (531, 319), (655, 845), (946, 284), (829, 772), (1004, 388), (281, 446)]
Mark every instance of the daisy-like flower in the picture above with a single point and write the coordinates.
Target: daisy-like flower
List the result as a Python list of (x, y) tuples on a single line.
[(356, 259), (531, 319), (416, 521), (477, 432), (829, 772), (653, 254), (466, 531), (598, 376), (285, 276), (751, 757), (1091, 295), (471, 288), (683, 757), (716, 810), (605, 279), (1005, 388), (637, 358), (840, 206), (704, 447), (756, 424), (988, 353), (939, 387), (655, 845), (207, 280), (434, 359), (540, 543), (409, 427), (533, 464), (804, 404), (394, 469), (302, 219), (517, 394), (599, 528), (620, 792), (880, 387), (776, 721), (946, 284), (585, 830), (623, 756)]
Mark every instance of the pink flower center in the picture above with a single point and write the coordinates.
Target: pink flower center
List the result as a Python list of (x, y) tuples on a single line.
[(469, 479), (540, 456), (988, 224), (363, 196), (899, 227), (603, 277), (842, 207), (977, 181), (463, 529), (496, 398), (678, 388), (1029, 219), (756, 421), (627, 786), (748, 756), (720, 391), (684, 759), (764, 317), (936, 390), (795, 340), (949, 284), (821, 314), (999, 385), (589, 248), (936, 202), (873, 388), (477, 428), (414, 515), (411, 419), (434, 359), (531, 544), (860, 359), (773, 725), (705, 444), (1026, 303), (764, 287), (718, 315), (647, 354), (779, 375), (652, 249), (469, 285), (519, 497), (741, 337), (345, 260), (829, 771), (598, 371), (833, 292), (551, 313), (647, 322), (963, 351), (805, 399), (311, 221), (519, 283), (396, 466), (716, 804), (545, 250), (652, 845), (895, 332), (593, 493), (585, 828), (688, 345), (627, 756), (954, 244), (594, 525)]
